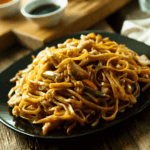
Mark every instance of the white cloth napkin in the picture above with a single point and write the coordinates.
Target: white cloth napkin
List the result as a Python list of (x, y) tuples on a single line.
[(137, 29)]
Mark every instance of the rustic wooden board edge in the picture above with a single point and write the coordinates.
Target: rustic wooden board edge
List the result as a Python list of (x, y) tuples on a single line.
[(33, 42), (7, 39), (28, 41), (89, 20)]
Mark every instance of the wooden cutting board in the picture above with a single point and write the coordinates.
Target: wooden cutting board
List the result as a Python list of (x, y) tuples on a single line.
[(79, 15)]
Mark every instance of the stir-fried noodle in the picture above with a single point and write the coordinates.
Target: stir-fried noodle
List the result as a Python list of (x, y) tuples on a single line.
[(79, 82)]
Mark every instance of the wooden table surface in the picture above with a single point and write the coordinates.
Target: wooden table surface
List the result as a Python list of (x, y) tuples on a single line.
[(132, 134)]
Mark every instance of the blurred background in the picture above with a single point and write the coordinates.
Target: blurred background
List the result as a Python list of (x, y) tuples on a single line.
[(19, 37)]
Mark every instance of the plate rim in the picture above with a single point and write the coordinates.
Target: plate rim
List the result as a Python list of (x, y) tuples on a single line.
[(57, 41)]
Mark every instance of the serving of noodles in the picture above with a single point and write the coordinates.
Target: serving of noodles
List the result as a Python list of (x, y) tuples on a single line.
[(79, 82)]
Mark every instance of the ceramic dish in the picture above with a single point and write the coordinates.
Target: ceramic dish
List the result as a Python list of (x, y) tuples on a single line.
[(9, 9), (44, 20), (22, 126)]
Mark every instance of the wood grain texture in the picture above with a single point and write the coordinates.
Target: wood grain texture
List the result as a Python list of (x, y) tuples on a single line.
[(132, 134), (11, 140), (79, 15), (16, 51)]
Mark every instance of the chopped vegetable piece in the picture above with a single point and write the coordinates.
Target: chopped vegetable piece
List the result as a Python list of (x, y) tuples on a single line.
[(50, 77), (90, 83), (95, 93)]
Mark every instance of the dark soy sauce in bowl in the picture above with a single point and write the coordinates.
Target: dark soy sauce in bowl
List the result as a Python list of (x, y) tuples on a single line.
[(44, 9)]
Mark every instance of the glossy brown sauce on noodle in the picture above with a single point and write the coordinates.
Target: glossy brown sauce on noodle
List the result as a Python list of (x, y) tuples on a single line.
[(80, 82)]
